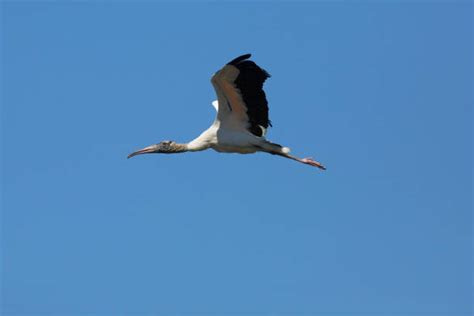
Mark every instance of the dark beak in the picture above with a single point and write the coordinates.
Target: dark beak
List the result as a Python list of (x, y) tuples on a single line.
[(146, 150)]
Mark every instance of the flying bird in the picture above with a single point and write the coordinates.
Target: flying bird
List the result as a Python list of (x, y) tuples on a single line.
[(242, 119)]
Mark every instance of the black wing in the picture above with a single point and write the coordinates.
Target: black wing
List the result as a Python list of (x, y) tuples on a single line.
[(250, 83)]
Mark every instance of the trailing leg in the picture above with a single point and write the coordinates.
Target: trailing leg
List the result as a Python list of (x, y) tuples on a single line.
[(279, 150)]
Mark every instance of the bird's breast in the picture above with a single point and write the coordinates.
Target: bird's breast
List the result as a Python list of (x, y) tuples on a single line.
[(234, 149), (235, 142)]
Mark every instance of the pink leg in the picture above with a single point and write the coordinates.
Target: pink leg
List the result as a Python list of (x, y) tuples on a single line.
[(311, 162), (307, 161)]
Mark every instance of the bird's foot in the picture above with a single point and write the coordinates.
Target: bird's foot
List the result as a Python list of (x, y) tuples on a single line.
[(311, 162)]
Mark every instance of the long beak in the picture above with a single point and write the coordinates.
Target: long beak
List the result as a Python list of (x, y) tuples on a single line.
[(146, 150)]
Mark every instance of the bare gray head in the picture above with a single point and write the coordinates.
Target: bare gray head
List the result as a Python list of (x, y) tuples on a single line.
[(165, 147)]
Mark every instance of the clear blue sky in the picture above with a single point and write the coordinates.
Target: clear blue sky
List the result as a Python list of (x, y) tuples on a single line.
[(380, 93)]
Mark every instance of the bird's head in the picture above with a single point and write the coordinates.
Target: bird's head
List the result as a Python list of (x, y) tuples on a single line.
[(165, 147)]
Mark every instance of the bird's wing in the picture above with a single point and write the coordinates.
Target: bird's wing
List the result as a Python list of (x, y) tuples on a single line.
[(241, 99)]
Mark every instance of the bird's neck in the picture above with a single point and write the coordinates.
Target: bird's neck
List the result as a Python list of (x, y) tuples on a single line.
[(203, 141), (197, 145), (179, 148)]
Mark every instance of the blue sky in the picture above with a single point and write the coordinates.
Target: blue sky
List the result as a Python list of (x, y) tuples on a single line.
[(381, 93)]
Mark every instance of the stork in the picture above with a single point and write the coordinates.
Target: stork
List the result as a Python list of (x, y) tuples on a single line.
[(242, 117)]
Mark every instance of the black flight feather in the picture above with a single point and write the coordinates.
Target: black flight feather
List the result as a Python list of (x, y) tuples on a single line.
[(250, 83), (239, 59)]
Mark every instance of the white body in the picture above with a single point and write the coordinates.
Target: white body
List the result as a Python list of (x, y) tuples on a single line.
[(231, 136)]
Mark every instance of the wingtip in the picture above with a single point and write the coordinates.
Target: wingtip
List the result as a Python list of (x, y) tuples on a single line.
[(237, 60)]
